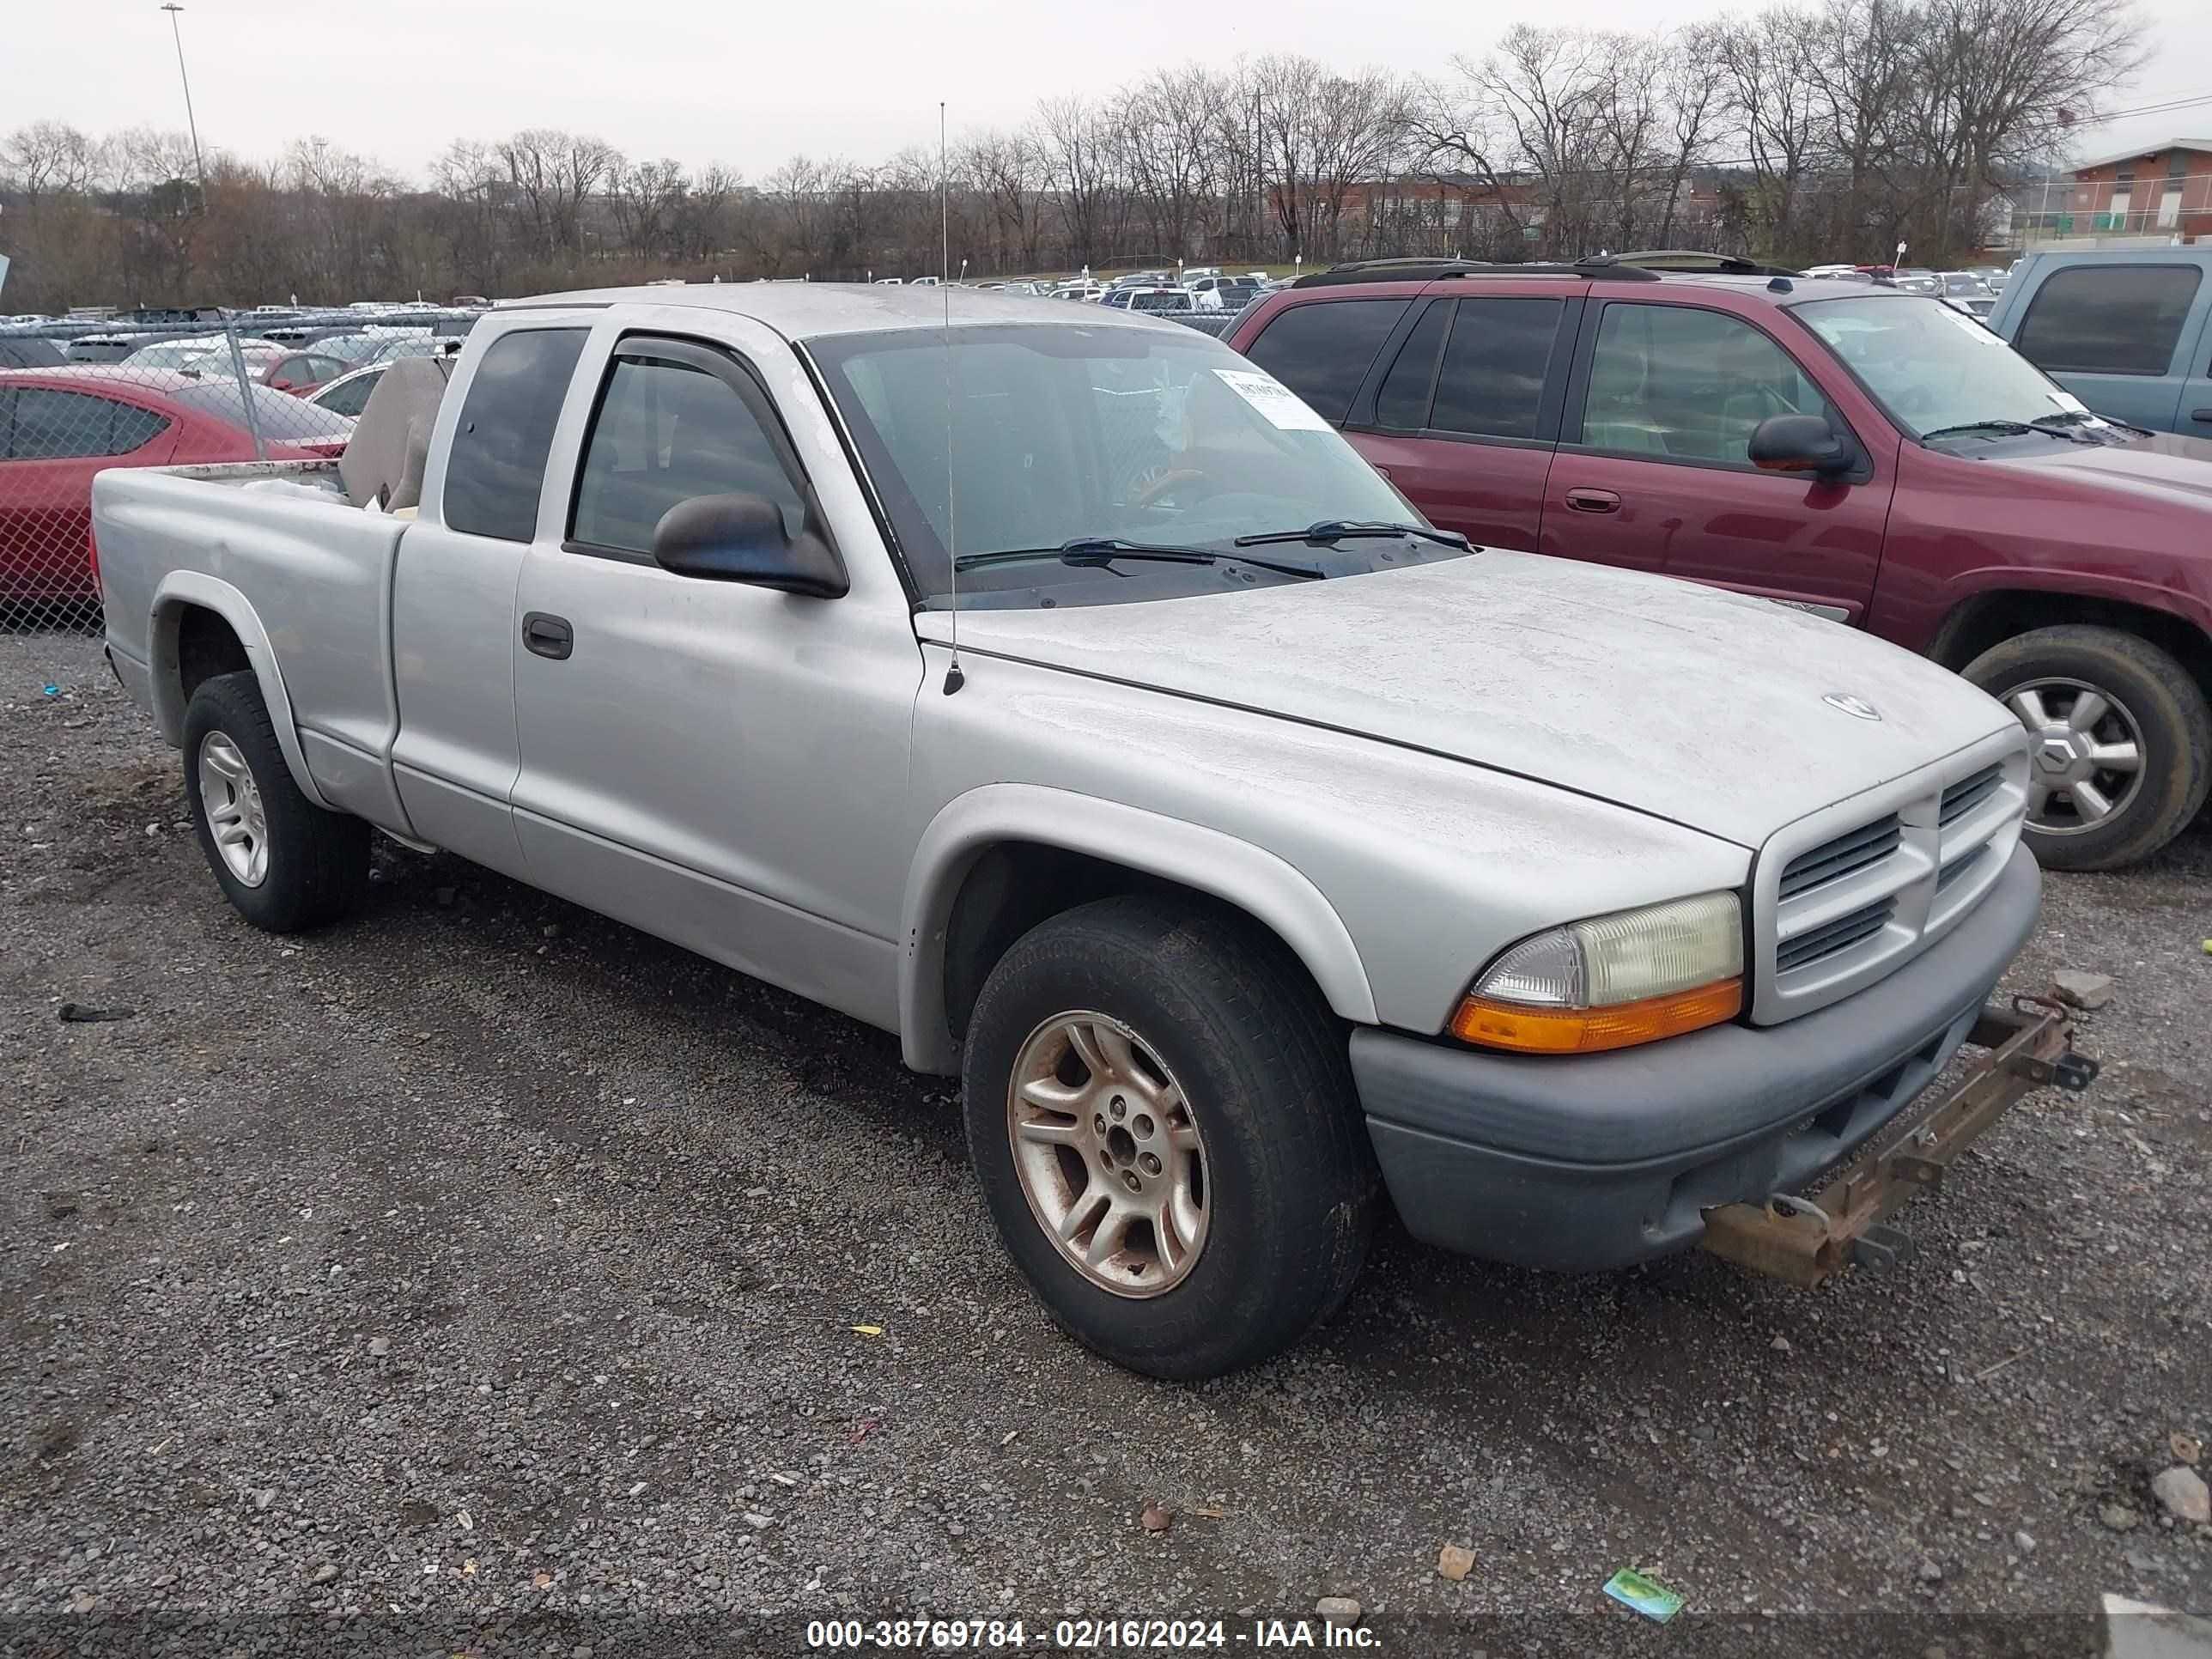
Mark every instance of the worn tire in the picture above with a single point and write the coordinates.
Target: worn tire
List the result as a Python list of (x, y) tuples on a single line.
[(2169, 709), (318, 860), (1291, 1180)]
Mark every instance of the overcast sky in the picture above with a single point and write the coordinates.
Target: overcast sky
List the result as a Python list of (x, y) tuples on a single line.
[(752, 82)]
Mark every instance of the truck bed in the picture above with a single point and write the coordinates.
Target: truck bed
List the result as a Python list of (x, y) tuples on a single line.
[(318, 628)]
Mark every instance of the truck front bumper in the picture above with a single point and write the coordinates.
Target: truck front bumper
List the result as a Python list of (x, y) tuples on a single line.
[(1598, 1161)]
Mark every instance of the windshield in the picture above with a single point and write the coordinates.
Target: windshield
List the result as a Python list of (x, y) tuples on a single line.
[(1932, 367), (1067, 431)]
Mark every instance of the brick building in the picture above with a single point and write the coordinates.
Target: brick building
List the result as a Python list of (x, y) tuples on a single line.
[(2164, 188)]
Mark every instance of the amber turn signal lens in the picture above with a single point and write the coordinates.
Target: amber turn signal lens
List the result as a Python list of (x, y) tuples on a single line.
[(1532, 1031)]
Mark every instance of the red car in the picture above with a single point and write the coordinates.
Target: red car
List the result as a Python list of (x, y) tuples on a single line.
[(60, 426), (1867, 455), (296, 372)]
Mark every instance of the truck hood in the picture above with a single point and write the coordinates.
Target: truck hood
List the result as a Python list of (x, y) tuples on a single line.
[(2158, 466), (1695, 705)]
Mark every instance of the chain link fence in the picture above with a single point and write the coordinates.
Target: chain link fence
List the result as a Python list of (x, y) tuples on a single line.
[(76, 398)]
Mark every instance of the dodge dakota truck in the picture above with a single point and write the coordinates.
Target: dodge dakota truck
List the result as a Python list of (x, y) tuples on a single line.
[(1062, 694)]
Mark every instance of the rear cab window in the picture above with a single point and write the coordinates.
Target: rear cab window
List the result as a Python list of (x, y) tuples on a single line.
[(2107, 320), (495, 462)]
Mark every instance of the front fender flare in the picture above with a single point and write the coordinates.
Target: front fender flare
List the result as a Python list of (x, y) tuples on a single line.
[(1260, 882), (182, 588)]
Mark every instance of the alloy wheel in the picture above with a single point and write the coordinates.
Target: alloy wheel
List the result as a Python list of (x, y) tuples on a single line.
[(230, 800), (1108, 1153)]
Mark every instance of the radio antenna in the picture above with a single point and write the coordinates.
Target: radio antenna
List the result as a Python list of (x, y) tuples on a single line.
[(954, 679)]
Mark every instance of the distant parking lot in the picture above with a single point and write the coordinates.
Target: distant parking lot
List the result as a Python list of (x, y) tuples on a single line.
[(482, 1256)]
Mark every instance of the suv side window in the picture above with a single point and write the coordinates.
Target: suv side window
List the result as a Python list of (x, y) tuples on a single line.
[(1321, 350), (496, 467), (1492, 380), (1401, 402), (1674, 383), (667, 430), (2107, 320)]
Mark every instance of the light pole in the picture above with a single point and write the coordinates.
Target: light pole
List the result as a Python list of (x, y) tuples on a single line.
[(191, 121)]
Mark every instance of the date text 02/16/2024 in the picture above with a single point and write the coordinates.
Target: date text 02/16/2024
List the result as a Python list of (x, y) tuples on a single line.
[(1083, 1635)]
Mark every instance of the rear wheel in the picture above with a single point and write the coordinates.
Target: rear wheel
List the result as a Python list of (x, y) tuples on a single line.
[(284, 863), (2119, 742), (1160, 1112)]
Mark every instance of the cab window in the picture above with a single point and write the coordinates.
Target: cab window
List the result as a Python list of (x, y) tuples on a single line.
[(668, 430)]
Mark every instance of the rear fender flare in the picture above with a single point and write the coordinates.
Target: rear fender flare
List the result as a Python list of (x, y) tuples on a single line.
[(1260, 882), (182, 589)]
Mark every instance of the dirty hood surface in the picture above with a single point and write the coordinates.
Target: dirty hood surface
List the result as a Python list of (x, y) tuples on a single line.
[(1696, 705)]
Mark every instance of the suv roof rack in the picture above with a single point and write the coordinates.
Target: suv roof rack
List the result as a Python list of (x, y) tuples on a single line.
[(1693, 261), (1419, 270)]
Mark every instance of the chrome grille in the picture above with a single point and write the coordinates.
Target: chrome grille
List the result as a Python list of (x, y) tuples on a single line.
[(1854, 892), (1832, 861), (1832, 937)]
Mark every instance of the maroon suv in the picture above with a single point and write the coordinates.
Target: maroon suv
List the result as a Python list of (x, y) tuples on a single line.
[(1871, 455)]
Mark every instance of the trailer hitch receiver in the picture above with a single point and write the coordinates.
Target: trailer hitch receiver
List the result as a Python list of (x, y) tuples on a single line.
[(1806, 1238)]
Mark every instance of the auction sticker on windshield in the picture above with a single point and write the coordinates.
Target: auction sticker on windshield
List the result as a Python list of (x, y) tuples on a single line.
[(1283, 407)]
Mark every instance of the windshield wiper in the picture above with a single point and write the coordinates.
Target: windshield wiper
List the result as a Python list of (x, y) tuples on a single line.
[(1337, 530), (1096, 552), (1999, 428), (2076, 425)]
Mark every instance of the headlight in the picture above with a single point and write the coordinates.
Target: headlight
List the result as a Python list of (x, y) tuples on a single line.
[(1612, 981)]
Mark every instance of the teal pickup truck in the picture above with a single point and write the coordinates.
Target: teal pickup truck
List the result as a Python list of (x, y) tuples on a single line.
[(2127, 331)]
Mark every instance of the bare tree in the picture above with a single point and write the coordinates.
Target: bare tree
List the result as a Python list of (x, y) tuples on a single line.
[(1812, 130), (553, 173)]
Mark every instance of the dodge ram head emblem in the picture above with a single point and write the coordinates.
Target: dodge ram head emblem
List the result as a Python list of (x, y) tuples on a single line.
[(1857, 708)]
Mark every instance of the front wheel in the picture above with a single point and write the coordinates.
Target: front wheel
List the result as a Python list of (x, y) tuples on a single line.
[(2119, 742), (1160, 1113), (284, 863)]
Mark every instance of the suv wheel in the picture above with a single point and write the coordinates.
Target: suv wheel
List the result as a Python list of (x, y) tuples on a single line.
[(1160, 1111), (2119, 742)]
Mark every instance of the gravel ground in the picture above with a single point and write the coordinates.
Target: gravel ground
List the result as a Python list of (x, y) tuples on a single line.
[(481, 1258)]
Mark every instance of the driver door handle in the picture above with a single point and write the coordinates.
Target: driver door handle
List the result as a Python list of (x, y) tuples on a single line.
[(1593, 501), (548, 635)]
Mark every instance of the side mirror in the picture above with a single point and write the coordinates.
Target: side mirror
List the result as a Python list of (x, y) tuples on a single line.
[(741, 539), (1800, 443)]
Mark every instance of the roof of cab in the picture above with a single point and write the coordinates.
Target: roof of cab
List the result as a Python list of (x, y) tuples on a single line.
[(800, 310)]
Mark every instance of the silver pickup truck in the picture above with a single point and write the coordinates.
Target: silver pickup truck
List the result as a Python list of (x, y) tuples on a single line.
[(1255, 850)]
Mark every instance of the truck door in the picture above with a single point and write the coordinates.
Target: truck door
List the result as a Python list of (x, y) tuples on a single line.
[(1653, 468), (720, 763), (2122, 337), (453, 602)]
